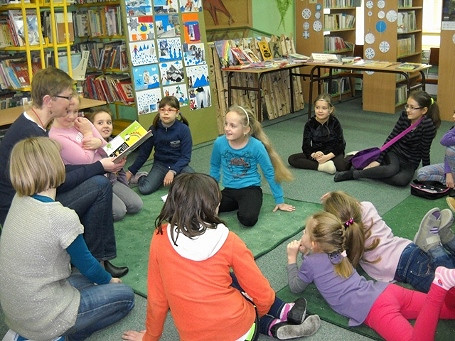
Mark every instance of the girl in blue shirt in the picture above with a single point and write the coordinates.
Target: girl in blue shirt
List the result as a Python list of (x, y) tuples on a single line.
[(236, 156), (173, 145)]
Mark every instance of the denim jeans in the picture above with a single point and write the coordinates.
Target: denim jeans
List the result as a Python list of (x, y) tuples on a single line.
[(100, 306), (92, 201), (154, 180), (417, 268)]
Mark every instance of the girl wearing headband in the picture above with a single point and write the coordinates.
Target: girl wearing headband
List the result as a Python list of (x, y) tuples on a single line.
[(396, 166), (383, 307), (370, 242), (236, 156)]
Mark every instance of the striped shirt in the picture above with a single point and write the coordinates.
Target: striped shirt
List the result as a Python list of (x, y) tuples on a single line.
[(415, 145)]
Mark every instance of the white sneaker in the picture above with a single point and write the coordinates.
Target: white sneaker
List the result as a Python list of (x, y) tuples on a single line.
[(11, 335), (135, 178), (328, 167)]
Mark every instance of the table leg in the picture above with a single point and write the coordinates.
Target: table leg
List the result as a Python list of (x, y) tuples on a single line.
[(230, 74), (291, 87)]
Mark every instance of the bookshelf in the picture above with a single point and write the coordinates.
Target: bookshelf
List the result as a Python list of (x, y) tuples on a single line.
[(393, 32), (26, 42), (446, 75), (327, 26)]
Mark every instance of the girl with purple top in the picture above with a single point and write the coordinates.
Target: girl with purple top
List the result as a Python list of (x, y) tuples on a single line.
[(442, 172), (383, 307), (370, 242)]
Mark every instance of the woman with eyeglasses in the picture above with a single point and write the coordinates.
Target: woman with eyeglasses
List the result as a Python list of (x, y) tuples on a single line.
[(172, 144), (396, 166)]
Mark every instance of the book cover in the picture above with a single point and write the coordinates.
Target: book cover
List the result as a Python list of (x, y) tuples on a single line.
[(239, 55), (251, 56), (265, 50), (127, 141)]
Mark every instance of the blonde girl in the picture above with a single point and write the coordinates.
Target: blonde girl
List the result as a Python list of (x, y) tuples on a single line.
[(370, 242), (383, 307), (236, 156), (323, 141)]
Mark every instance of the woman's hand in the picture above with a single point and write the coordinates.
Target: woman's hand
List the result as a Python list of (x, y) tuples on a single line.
[(372, 165), (133, 335), (112, 167), (284, 207), (449, 180), (168, 178)]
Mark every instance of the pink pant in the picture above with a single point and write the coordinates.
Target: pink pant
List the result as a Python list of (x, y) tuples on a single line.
[(391, 311)]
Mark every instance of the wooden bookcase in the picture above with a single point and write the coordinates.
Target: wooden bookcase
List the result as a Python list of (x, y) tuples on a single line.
[(315, 32), (446, 76), (384, 40)]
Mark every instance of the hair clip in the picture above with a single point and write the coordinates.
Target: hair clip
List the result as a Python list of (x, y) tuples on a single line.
[(335, 257), (349, 222)]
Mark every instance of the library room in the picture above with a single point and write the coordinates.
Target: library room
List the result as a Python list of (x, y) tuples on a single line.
[(336, 116)]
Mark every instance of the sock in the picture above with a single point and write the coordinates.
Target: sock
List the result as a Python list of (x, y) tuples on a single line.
[(274, 322), (445, 278), (284, 312)]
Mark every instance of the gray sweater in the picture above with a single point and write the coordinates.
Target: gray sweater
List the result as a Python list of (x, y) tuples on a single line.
[(38, 301)]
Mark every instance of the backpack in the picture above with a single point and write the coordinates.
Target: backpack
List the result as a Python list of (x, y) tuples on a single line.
[(429, 189)]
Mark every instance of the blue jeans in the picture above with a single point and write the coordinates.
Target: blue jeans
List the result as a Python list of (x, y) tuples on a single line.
[(92, 201), (416, 267), (154, 180), (100, 306)]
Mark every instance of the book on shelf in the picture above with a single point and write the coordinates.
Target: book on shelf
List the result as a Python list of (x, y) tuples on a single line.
[(16, 22), (127, 141), (265, 50), (16, 73)]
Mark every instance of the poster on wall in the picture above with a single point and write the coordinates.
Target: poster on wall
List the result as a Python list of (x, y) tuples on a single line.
[(448, 15)]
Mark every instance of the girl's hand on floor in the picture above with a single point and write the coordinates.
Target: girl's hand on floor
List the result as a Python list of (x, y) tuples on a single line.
[(133, 335), (372, 164), (284, 207)]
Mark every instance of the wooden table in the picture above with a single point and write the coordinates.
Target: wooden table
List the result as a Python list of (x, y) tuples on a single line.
[(316, 75), (260, 72), (9, 115)]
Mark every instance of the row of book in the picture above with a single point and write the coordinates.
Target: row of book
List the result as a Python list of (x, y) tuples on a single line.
[(106, 56), (401, 93), (12, 31), (406, 22), (337, 44), (109, 87), (13, 99), (14, 73), (404, 3), (102, 21), (341, 3), (338, 21), (406, 46)]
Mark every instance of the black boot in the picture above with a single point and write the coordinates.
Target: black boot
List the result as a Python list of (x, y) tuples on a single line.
[(115, 271)]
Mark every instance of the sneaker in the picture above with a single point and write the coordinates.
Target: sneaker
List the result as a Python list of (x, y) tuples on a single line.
[(451, 203), (428, 235), (327, 167), (298, 312), (11, 335), (135, 178), (286, 331), (343, 176), (445, 229)]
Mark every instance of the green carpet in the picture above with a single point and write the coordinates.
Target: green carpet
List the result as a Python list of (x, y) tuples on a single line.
[(404, 219), (134, 233)]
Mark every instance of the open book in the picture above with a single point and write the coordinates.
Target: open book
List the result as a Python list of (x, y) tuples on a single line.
[(127, 141)]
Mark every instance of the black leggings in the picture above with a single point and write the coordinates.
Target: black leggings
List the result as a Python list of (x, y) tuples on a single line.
[(300, 160), (247, 201), (392, 171)]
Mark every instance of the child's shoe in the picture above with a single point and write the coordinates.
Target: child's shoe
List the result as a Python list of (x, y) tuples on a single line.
[(135, 178), (344, 176), (286, 331), (327, 167), (428, 235), (451, 203), (298, 312), (11, 335), (445, 231)]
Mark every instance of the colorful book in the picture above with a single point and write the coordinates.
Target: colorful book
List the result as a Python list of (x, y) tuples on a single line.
[(265, 50), (239, 55), (127, 141)]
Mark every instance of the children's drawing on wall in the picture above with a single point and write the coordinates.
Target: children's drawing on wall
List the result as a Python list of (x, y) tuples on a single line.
[(171, 72), (180, 91), (138, 7), (193, 54), (146, 77), (140, 28), (200, 97), (147, 100), (169, 49), (167, 26), (165, 6), (190, 5), (143, 52), (191, 29)]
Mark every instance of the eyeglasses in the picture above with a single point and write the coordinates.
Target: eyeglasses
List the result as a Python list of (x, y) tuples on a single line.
[(171, 110), (411, 107), (65, 97)]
